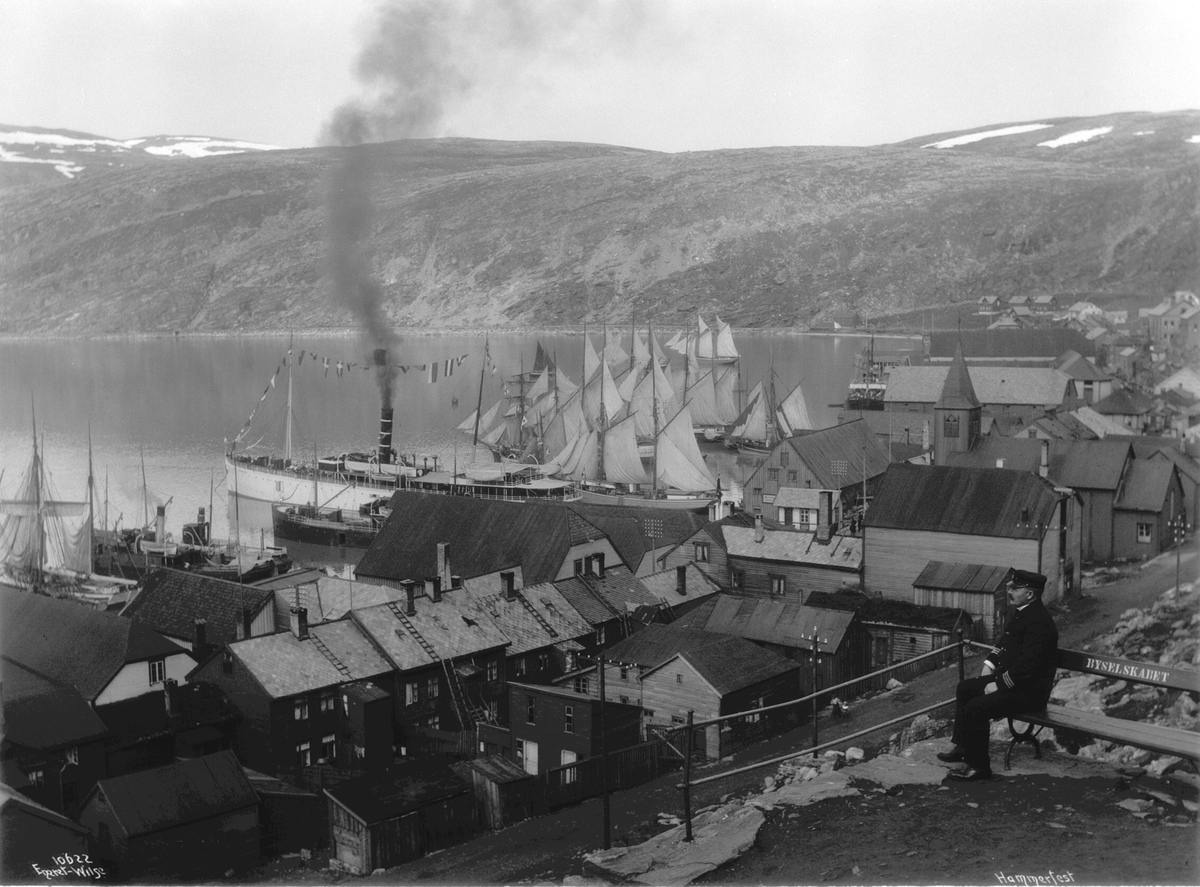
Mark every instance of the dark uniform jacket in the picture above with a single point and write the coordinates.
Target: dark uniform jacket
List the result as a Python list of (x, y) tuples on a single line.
[(1026, 658)]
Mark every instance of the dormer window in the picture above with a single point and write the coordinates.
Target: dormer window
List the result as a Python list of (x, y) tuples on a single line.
[(158, 670)]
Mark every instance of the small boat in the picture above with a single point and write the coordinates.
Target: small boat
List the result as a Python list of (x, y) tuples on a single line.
[(507, 480), (313, 525)]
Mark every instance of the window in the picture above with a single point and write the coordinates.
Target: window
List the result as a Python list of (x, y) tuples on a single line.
[(624, 673), (70, 795), (1144, 532), (678, 720), (579, 566), (519, 666), (758, 493), (72, 755), (678, 678), (412, 693), (582, 685), (624, 700), (158, 670), (493, 708), (648, 712), (772, 474), (739, 579), (571, 776), (778, 585), (329, 748), (37, 778), (701, 552), (783, 458), (599, 635), (755, 703), (530, 710), (793, 475), (543, 661), (431, 687), (493, 670), (300, 709), (950, 426), (328, 703), (303, 755), (434, 723), (568, 719), (572, 660)]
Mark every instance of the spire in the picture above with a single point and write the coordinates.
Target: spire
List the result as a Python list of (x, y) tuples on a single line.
[(958, 393)]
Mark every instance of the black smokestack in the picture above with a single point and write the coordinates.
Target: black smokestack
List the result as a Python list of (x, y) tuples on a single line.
[(385, 436)]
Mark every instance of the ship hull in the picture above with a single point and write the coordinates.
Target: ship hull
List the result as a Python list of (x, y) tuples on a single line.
[(266, 483), (293, 525), (635, 500)]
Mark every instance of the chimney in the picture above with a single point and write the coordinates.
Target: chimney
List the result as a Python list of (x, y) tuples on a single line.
[(824, 516), (300, 623), (247, 622), (456, 581), (507, 585), (1044, 467), (433, 588), (202, 529), (599, 564), (443, 559), (410, 588), (169, 696), (201, 636), (681, 579), (160, 524), (1000, 463), (385, 424), (759, 533)]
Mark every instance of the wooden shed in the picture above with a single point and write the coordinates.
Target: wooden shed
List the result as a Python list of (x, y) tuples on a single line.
[(290, 818), (503, 790), (399, 814), (976, 588)]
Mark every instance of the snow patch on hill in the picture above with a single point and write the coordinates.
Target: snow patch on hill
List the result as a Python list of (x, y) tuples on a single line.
[(67, 169), (987, 134), (198, 146), (1074, 138)]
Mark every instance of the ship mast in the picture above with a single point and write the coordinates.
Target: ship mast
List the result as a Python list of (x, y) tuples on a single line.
[(603, 415), (479, 400), (287, 433), (654, 410)]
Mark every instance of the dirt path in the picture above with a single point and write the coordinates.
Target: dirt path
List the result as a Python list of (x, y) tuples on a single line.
[(926, 836)]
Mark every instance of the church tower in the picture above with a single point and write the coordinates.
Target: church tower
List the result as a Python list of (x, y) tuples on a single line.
[(957, 413)]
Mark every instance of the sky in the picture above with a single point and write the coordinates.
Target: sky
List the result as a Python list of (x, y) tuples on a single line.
[(668, 75)]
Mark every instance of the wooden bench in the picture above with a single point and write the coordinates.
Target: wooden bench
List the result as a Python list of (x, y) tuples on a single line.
[(1153, 737)]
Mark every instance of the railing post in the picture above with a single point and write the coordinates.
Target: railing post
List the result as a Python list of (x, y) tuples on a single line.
[(687, 780), (815, 681), (962, 657)]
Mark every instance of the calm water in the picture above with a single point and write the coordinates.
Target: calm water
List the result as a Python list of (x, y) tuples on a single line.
[(171, 404)]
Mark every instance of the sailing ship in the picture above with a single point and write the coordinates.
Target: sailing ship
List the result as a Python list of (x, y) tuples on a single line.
[(767, 420), (871, 372), (346, 480), (47, 542)]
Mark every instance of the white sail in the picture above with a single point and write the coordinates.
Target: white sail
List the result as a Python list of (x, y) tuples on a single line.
[(591, 360), (752, 425), (725, 349), (793, 413), (541, 387), (725, 387), (579, 460), (678, 461), (644, 402), (602, 391), (678, 342), (38, 530), (622, 464), (701, 400), (564, 384), (641, 353), (615, 355), (628, 381)]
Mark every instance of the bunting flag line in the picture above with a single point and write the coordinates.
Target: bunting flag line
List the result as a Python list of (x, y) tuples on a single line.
[(326, 367), (340, 366), (431, 377)]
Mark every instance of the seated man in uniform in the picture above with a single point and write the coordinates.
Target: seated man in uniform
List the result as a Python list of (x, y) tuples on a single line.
[(1017, 677)]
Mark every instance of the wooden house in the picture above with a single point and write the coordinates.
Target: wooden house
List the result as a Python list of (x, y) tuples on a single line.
[(605, 599), (1016, 347), (313, 695), (32, 835), (706, 547), (787, 628), (1096, 470), (1091, 383), (680, 589), (790, 564), (326, 598), (640, 535), (191, 820), (103, 656), (977, 589), (290, 818), (398, 815), (846, 460), (504, 792), (1018, 390), (553, 726), (977, 515), (429, 535), (1146, 509), (53, 743), (682, 669), (1128, 407), (195, 610), (899, 630)]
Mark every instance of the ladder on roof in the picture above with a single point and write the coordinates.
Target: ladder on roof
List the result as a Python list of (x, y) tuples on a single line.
[(467, 713), (541, 620), (328, 654)]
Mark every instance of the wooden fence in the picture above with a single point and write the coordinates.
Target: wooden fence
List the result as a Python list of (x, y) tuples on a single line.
[(627, 767)]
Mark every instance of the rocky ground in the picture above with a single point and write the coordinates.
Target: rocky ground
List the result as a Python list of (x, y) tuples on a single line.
[(1105, 815)]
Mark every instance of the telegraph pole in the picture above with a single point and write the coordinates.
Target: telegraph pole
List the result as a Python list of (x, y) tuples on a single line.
[(604, 754)]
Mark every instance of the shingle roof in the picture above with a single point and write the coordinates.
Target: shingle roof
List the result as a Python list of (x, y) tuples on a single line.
[(9, 795), (390, 793), (998, 344), (841, 446), (172, 600), (1124, 402), (1018, 453), (328, 598), (783, 622), (728, 663), (625, 527), (1089, 464), (73, 644), (285, 666), (484, 536), (892, 612), (1061, 426), (962, 577), (455, 626), (42, 713), (598, 600), (796, 547), (538, 616), (1188, 467), (1146, 486), (178, 793), (993, 386), (1101, 426), (697, 585), (1079, 367), (970, 501)]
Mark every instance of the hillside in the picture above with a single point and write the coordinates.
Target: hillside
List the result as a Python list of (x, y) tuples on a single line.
[(470, 232)]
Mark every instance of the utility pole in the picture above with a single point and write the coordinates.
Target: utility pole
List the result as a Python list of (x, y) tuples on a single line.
[(604, 754)]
